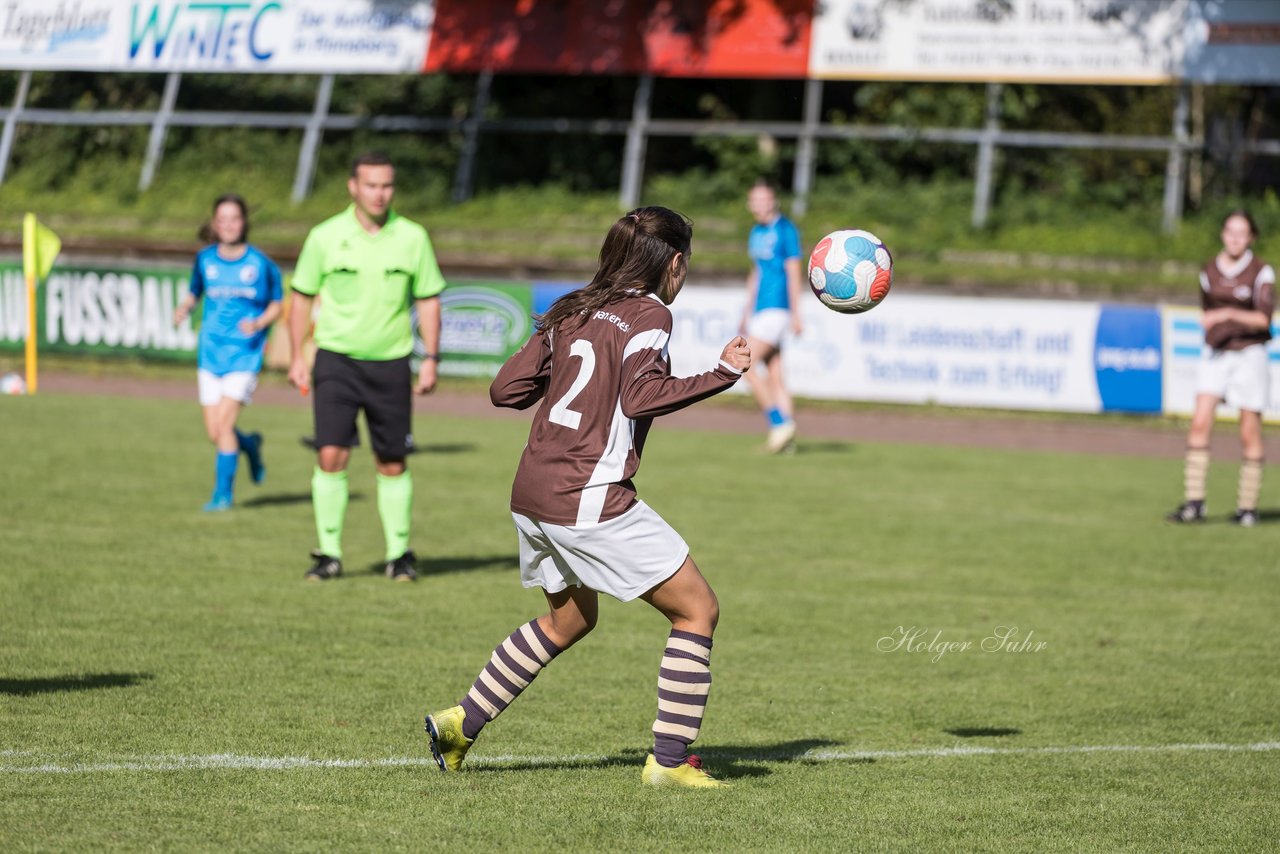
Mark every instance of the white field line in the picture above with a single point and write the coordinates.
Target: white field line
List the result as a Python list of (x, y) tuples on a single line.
[(231, 761)]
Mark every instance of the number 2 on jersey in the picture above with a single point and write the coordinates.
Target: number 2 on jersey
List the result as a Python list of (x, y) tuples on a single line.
[(560, 412)]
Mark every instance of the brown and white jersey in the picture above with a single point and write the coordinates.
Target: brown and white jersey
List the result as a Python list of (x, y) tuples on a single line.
[(1249, 284), (601, 383)]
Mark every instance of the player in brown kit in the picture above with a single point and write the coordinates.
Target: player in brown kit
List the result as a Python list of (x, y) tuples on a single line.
[(1237, 292), (598, 365)]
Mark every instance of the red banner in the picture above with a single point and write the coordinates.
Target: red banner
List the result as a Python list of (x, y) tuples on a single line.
[(676, 38)]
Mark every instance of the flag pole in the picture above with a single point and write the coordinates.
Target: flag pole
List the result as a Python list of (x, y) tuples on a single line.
[(29, 239)]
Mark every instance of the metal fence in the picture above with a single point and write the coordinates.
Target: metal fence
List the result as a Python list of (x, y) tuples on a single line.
[(808, 133)]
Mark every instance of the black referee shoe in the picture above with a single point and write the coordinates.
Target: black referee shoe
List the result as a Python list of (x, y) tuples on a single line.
[(324, 568), (403, 568)]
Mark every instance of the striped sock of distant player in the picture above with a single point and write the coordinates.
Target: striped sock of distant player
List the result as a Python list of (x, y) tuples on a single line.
[(1195, 473), (329, 498), (1250, 484), (683, 684), (514, 664), (395, 507)]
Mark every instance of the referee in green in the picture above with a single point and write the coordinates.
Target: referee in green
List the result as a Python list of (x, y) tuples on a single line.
[(368, 265)]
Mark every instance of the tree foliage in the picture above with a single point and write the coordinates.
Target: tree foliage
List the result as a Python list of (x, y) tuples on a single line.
[(1225, 118)]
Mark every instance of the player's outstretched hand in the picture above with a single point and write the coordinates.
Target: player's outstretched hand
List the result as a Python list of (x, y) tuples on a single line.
[(737, 353), (426, 377)]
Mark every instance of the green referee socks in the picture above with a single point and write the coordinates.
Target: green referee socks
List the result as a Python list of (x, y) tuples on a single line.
[(395, 506), (329, 498)]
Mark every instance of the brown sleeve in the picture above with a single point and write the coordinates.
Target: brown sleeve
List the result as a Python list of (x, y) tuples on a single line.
[(649, 390), (1266, 299), (522, 380)]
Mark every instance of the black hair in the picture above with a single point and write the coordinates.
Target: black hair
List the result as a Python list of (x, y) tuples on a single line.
[(370, 158)]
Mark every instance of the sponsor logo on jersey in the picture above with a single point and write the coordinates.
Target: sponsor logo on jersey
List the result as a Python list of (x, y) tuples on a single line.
[(612, 318)]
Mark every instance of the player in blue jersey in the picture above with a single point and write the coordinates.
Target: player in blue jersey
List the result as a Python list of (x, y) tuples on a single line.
[(772, 308), (242, 291)]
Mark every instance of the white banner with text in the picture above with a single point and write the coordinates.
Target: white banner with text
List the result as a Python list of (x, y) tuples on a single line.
[(957, 351), (260, 36)]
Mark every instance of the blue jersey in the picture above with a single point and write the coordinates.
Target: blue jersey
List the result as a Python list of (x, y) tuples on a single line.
[(233, 291), (771, 246)]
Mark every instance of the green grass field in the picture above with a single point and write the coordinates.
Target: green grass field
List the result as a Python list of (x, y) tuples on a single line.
[(164, 674)]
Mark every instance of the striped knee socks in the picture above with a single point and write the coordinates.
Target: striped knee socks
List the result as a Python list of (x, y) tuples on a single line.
[(684, 681), (514, 664)]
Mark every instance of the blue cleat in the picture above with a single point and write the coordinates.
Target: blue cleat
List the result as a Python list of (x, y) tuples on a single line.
[(252, 447), (218, 504)]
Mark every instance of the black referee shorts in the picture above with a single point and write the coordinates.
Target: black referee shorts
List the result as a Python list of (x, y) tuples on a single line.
[(342, 386)]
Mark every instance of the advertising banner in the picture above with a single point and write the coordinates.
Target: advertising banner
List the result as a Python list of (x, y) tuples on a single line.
[(126, 311), (1013, 354), (99, 311), (1048, 41), (957, 351), (1183, 344), (259, 36), (481, 324), (700, 38), (1233, 41)]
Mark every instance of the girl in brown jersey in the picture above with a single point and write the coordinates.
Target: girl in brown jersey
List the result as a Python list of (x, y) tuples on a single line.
[(598, 367), (1237, 292)]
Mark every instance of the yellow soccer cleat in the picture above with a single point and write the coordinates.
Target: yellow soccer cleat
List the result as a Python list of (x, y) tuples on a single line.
[(448, 745), (689, 774)]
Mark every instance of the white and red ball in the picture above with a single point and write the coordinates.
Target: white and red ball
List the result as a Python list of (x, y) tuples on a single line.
[(13, 384), (850, 271)]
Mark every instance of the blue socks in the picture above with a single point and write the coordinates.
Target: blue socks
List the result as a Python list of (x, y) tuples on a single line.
[(225, 482), (251, 445), (775, 416)]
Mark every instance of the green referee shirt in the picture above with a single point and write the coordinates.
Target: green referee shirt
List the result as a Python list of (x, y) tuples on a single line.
[(366, 283)]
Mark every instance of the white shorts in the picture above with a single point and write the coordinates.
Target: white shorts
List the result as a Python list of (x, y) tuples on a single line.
[(769, 325), (624, 557), (237, 386), (1240, 377)]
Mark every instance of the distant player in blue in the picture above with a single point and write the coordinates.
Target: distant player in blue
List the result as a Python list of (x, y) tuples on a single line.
[(774, 286), (242, 292)]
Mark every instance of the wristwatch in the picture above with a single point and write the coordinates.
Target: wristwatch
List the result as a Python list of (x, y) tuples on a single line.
[(435, 357)]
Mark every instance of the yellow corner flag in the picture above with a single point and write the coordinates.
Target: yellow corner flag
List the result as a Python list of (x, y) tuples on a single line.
[(40, 247)]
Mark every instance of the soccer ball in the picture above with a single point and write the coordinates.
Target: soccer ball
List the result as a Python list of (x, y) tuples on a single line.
[(850, 271), (13, 384)]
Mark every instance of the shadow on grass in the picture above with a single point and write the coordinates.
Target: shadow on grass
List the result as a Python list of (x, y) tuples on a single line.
[(729, 762), (982, 731), (807, 448), (287, 498), (76, 682), (444, 565), (309, 442), (446, 448)]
